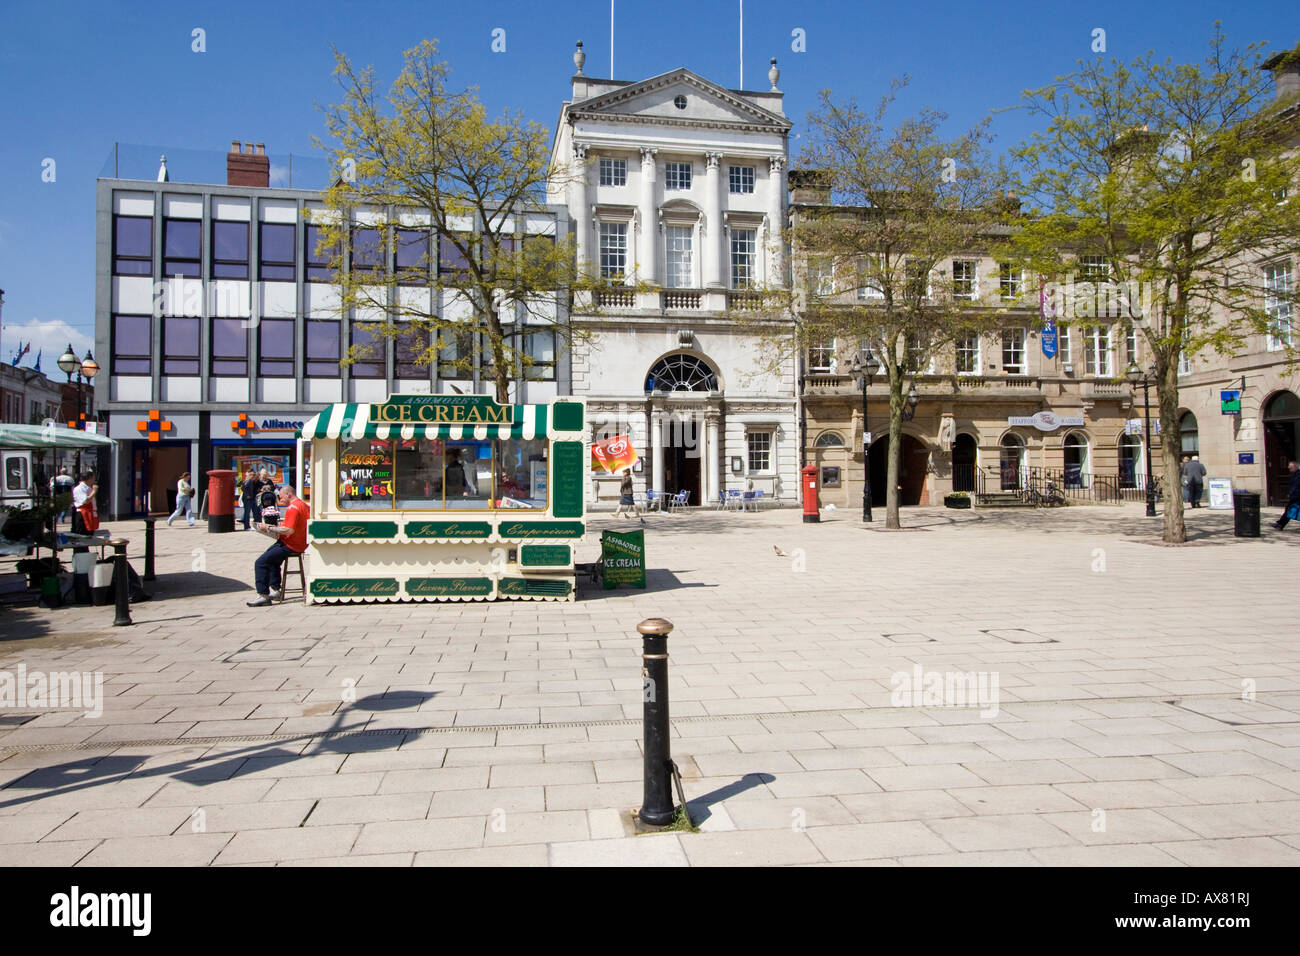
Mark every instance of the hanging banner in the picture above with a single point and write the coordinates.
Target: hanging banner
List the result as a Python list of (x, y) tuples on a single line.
[(613, 454), (1047, 312)]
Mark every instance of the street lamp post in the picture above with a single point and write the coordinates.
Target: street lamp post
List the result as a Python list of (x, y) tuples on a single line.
[(1139, 377), (86, 370), (865, 366)]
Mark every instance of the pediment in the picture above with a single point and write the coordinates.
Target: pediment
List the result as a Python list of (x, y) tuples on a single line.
[(653, 101)]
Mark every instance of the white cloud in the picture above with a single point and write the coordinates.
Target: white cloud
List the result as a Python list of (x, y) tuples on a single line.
[(49, 338)]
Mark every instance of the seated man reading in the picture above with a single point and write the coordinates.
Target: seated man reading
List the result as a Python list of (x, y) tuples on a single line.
[(291, 539)]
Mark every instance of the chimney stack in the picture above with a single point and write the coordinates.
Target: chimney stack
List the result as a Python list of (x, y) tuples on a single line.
[(1286, 73), (246, 166), (810, 186)]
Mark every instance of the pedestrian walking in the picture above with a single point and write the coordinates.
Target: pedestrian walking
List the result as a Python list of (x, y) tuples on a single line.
[(250, 490), (184, 500), (1292, 497), (625, 497), (62, 484), (1195, 480), (1182, 474)]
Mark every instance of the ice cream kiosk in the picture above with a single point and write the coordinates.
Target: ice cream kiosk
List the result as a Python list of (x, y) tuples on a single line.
[(445, 498)]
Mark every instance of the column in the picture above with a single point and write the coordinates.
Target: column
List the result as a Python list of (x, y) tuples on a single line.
[(657, 449), (776, 221), (578, 205), (648, 232), (711, 228), (712, 480)]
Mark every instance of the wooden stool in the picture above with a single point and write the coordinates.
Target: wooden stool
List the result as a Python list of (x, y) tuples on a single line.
[(285, 572)]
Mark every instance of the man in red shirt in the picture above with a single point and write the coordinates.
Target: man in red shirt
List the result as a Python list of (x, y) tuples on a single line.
[(291, 540)]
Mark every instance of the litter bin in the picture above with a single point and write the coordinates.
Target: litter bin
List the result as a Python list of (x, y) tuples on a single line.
[(1245, 514)]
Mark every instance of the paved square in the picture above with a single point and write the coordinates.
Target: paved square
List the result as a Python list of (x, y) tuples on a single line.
[(1121, 703)]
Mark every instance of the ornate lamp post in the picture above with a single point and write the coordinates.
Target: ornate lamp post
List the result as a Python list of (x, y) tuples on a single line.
[(1137, 376), (865, 366), (86, 370), (909, 410)]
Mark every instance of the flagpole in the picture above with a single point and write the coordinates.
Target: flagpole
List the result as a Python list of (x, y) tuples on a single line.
[(742, 44), (611, 39)]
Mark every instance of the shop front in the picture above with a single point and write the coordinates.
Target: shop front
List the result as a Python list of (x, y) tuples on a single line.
[(445, 498), (259, 440)]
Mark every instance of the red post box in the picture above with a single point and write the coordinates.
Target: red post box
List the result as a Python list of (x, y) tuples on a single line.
[(221, 500), (811, 513)]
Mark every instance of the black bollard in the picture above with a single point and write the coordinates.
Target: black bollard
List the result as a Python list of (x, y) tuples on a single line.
[(120, 585), (148, 548), (657, 808)]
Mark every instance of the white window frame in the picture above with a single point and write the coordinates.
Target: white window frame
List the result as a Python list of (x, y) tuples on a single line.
[(766, 451), (1278, 278), (962, 346), (1098, 351), (617, 227), (742, 177), (613, 172), (747, 235), (1131, 346), (821, 357), (1013, 340), (821, 276), (679, 262), (974, 280), (678, 176), (909, 349), (1009, 276), (1064, 354)]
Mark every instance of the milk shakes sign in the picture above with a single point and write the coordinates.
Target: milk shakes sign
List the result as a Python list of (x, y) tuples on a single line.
[(442, 409)]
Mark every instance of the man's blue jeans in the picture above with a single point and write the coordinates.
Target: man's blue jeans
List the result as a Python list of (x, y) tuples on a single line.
[(267, 568)]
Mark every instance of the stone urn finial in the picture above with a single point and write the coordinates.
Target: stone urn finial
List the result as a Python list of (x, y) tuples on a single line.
[(579, 58), (773, 75)]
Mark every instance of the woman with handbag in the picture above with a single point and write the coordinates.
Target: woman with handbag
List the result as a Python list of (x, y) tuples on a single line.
[(184, 500)]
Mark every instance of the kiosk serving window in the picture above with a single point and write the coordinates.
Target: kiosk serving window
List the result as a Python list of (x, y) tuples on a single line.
[(422, 474)]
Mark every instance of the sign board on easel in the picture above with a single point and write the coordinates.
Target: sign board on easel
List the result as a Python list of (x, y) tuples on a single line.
[(1220, 493)]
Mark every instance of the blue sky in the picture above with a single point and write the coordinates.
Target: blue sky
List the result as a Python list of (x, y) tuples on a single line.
[(78, 77)]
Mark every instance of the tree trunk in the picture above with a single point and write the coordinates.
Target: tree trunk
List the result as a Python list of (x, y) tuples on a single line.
[(895, 446), (1175, 531)]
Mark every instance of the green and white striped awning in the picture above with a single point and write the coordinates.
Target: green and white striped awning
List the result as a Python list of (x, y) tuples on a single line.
[(348, 420)]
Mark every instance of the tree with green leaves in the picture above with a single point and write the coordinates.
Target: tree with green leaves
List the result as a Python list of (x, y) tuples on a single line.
[(1175, 178), (875, 263), (429, 192)]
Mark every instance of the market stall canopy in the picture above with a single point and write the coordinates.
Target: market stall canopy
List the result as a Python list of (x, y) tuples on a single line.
[(50, 436), (349, 420)]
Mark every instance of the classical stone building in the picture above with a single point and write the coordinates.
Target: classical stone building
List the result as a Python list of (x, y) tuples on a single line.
[(1253, 447), (676, 191), (994, 411)]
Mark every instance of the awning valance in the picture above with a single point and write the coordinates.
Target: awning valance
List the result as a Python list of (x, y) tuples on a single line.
[(350, 420)]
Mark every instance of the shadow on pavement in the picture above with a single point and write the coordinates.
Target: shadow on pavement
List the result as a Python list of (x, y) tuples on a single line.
[(342, 737), (699, 807)]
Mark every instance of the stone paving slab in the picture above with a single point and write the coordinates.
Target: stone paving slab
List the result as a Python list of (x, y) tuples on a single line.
[(1150, 727)]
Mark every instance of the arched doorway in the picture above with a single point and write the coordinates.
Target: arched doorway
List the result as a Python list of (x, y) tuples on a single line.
[(682, 432), (1130, 461), (911, 471), (964, 463), (1012, 462), (1281, 443), (1076, 460)]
